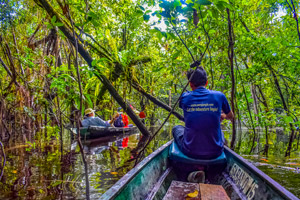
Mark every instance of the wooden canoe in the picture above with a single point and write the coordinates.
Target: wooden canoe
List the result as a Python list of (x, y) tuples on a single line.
[(151, 178), (93, 132)]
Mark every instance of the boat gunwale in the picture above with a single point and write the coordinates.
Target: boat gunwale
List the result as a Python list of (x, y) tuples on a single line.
[(121, 184), (101, 131), (260, 174), (102, 128)]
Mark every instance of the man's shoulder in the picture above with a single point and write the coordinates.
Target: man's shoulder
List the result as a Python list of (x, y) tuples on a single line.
[(85, 119), (218, 93), (185, 94)]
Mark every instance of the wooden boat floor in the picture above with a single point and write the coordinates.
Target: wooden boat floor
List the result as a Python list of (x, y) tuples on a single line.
[(179, 190), (210, 192)]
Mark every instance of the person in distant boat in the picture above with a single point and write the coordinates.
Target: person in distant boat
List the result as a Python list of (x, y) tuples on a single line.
[(122, 120), (91, 120), (202, 138)]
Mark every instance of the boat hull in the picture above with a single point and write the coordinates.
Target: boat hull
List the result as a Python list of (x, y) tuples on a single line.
[(250, 182), (151, 178), (93, 132)]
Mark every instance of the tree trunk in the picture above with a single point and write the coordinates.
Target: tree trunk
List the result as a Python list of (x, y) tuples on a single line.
[(256, 112), (266, 107), (285, 106), (250, 115), (230, 57)]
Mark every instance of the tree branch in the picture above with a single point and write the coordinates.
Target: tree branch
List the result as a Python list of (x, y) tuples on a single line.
[(4, 160), (86, 56)]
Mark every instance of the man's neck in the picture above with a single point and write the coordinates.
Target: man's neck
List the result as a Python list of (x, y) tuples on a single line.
[(194, 87)]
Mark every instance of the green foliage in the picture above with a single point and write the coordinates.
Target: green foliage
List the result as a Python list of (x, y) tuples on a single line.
[(10, 11), (121, 36), (127, 32)]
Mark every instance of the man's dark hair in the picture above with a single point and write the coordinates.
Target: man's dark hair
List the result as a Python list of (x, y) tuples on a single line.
[(199, 78)]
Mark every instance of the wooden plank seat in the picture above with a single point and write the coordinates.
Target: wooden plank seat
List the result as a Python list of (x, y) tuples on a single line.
[(212, 192), (179, 191)]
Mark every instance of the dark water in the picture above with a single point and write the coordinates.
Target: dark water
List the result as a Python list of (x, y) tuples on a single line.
[(285, 171), (36, 170)]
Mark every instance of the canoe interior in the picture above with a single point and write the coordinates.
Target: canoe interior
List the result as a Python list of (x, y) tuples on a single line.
[(151, 179), (93, 132)]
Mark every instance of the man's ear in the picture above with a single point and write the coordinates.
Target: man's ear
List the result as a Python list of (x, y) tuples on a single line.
[(206, 83), (192, 86)]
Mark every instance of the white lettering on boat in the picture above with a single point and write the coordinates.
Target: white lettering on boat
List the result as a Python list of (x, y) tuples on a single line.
[(243, 180)]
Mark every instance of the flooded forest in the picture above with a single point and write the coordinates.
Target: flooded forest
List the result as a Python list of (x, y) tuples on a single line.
[(60, 58)]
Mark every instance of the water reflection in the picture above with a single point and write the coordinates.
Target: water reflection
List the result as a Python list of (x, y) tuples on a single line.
[(38, 171), (109, 160), (285, 171)]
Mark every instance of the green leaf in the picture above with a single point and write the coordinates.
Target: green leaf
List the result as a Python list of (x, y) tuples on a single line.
[(94, 63), (164, 34), (171, 35), (177, 3), (139, 13), (49, 26), (203, 2), (59, 24), (146, 17), (95, 23), (167, 22), (88, 98), (176, 55), (227, 5), (97, 90), (92, 14), (158, 69), (78, 24), (155, 13), (141, 7), (53, 19), (288, 119), (214, 12), (221, 5), (166, 13)]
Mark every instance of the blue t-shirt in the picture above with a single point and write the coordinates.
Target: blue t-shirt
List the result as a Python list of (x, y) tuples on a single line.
[(202, 113)]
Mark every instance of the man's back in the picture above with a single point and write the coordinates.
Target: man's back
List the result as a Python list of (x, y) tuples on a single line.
[(202, 113)]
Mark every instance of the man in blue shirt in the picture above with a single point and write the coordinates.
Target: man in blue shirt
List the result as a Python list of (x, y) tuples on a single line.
[(91, 120), (202, 137)]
